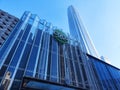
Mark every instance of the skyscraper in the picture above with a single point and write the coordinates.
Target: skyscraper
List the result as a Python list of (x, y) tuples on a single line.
[(7, 23), (79, 33), (38, 55), (37, 50)]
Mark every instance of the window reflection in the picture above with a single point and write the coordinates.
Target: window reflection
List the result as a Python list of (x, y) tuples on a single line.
[(108, 75), (54, 67)]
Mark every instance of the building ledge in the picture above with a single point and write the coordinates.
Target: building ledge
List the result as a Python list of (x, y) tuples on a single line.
[(38, 84)]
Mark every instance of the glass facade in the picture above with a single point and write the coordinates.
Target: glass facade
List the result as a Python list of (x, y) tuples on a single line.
[(109, 76), (31, 58), (79, 33), (32, 51)]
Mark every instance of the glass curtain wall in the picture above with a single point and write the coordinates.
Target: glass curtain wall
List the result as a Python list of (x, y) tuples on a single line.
[(32, 51), (108, 75)]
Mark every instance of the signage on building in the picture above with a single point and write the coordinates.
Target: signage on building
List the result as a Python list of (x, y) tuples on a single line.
[(60, 36)]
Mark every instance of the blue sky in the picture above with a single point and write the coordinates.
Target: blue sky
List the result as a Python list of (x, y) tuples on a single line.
[(100, 17)]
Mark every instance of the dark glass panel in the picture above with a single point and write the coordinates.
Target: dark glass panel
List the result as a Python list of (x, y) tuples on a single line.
[(60, 46), (30, 41), (78, 73), (54, 45), (17, 54), (25, 56), (49, 64), (20, 34), (2, 71), (11, 52), (74, 53), (27, 73), (38, 37), (19, 74), (45, 41), (54, 67), (72, 72), (32, 59), (61, 69), (16, 85), (27, 30)]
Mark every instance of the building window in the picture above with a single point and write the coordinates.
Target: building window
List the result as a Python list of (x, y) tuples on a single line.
[(9, 17), (7, 20), (1, 26), (54, 67), (4, 23), (3, 38), (2, 14)]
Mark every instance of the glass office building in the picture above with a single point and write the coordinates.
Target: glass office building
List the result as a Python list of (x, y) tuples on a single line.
[(79, 33), (37, 56), (7, 23), (32, 51)]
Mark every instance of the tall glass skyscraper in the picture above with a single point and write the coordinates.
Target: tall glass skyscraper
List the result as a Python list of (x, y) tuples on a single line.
[(40, 56), (79, 33)]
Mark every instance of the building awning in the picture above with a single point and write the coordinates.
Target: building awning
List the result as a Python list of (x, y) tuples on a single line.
[(38, 84)]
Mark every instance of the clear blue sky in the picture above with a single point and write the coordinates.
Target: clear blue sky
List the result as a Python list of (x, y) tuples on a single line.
[(101, 19)]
